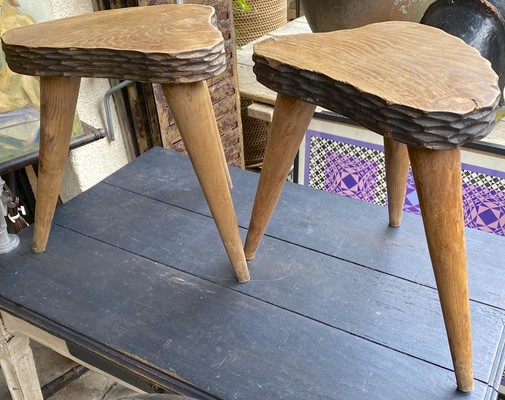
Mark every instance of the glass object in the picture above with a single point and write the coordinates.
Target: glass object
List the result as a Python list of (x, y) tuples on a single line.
[(20, 94)]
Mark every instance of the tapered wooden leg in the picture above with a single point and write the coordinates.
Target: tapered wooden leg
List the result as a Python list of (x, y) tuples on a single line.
[(437, 175), (58, 98), (289, 124), (223, 157), (193, 113), (397, 171), (18, 366)]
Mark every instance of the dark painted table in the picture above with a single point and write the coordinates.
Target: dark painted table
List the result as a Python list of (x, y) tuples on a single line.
[(136, 283)]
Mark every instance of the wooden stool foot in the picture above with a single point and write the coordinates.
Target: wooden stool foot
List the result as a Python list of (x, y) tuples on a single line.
[(193, 113), (397, 171), (58, 99), (437, 175), (290, 122)]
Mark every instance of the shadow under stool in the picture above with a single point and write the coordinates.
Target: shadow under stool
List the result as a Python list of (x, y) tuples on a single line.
[(423, 90), (177, 46)]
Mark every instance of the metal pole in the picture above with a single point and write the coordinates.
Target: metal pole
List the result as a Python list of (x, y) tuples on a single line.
[(108, 113)]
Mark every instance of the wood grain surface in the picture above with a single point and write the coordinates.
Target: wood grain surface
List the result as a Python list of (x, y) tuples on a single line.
[(293, 117), (164, 43), (58, 100), (192, 109), (404, 80), (396, 160), (439, 188)]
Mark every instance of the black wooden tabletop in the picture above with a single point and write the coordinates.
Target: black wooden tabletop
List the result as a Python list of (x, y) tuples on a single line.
[(339, 306)]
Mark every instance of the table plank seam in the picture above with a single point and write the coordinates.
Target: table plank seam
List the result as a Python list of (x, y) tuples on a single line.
[(499, 362), (306, 247)]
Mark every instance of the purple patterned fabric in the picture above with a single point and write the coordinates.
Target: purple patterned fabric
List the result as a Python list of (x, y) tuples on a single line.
[(484, 209), (350, 176), (411, 201), (356, 169)]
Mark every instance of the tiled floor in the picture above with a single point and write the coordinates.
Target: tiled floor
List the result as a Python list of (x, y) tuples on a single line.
[(90, 386)]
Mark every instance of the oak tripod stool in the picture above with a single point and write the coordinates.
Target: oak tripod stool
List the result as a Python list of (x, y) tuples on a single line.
[(174, 45), (411, 83)]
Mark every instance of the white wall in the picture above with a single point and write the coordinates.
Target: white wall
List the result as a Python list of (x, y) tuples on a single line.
[(93, 162)]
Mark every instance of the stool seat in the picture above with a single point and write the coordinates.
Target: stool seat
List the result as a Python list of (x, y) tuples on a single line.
[(178, 46), (422, 87), (163, 44), (424, 91)]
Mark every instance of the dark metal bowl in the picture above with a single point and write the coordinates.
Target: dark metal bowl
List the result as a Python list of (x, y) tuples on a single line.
[(480, 23), (332, 15)]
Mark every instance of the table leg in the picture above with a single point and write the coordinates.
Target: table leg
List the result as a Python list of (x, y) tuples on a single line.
[(397, 171), (438, 181), (289, 124), (191, 106), (58, 99), (18, 366)]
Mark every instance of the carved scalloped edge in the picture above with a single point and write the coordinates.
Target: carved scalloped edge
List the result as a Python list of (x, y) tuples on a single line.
[(191, 66), (431, 130)]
